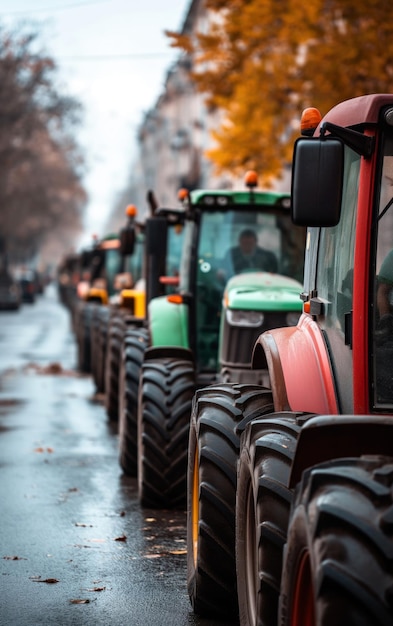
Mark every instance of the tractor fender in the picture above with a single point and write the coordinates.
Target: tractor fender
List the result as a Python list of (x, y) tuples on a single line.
[(96, 294), (135, 301), (299, 368), (168, 323), (327, 437), (164, 352)]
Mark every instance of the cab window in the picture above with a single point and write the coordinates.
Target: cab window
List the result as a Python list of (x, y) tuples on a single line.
[(336, 251), (383, 284)]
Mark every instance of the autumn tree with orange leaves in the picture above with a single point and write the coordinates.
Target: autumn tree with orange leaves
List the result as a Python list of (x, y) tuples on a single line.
[(263, 61)]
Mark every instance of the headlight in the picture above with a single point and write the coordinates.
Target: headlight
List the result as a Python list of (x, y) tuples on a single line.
[(244, 318), (292, 318)]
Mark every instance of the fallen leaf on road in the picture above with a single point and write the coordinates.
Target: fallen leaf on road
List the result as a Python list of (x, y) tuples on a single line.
[(40, 449), (14, 558), (84, 601), (152, 556), (49, 581), (9, 402), (98, 398), (51, 368)]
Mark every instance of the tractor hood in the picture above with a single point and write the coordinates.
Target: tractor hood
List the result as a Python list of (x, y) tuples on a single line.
[(263, 291)]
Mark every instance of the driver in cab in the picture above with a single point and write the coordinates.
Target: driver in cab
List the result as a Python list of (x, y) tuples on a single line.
[(247, 255)]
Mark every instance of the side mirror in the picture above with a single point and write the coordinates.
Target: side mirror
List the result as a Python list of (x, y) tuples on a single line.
[(127, 240), (317, 181)]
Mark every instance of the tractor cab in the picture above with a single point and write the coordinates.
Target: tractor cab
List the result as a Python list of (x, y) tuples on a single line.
[(347, 171), (247, 234)]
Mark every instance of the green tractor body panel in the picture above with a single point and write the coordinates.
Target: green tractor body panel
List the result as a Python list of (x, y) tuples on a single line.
[(254, 302), (263, 291), (168, 323)]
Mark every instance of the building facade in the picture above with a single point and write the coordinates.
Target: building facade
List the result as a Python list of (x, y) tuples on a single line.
[(175, 133)]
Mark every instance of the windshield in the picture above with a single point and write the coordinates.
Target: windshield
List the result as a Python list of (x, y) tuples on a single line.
[(240, 241), (112, 267), (134, 262), (235, 241), (336, 252), (175, 245)]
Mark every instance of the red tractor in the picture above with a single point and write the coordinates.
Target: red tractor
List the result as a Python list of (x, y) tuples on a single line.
[(301, 494)]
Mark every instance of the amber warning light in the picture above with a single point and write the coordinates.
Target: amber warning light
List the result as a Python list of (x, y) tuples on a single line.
[(310, 120), (131, 210), (251, 179), (182, 194), (175, 298)]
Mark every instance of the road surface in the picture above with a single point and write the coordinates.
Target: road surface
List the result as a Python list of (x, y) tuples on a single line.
[(76, 548)]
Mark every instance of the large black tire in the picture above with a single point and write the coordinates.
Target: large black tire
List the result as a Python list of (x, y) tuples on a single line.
[(116, 333), (164, 408), (75, 310), (103, 346), (94, 342), (135, 343), (99, 328), (262, 511), (337, 565), (219, 415), (83, 337)]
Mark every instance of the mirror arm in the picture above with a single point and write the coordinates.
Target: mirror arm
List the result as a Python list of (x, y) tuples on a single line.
[(361, 144)]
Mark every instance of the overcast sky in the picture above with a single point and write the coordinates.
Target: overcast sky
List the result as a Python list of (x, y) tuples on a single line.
[(112, 56)]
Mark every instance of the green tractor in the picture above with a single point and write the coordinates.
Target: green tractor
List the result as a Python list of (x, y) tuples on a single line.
[(247, 233)]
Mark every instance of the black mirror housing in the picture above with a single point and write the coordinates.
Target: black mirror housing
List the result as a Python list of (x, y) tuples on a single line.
[(317, 181), (127, 240)]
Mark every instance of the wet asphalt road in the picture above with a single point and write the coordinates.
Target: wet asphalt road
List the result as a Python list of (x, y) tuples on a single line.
[(76, 548)]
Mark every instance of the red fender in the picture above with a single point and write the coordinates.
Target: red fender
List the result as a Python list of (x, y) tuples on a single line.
[(299, 368)]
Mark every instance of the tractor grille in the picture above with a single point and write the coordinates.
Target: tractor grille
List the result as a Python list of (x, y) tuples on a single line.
[(238, 341)]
